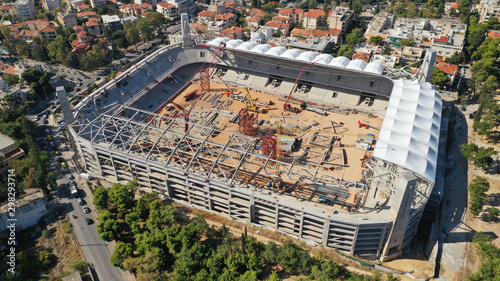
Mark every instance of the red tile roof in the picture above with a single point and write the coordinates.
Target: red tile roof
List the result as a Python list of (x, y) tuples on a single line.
[(229, 4), (83, 34), (254, 19), (206, 14), (494, 34), (233, 30), (450, 69), (92, 23), (48, 28), (28, 32), (289, 11), (167, 5), (83, 7), (314, 14), (280, 19), (256, 13), (86, 14), (6, 7), (10, 71), (78, 28), (362, 56), (200, 27), (226, 16), (454, 5), (319, 33), (299, 31), (277, 24), (335, 32)]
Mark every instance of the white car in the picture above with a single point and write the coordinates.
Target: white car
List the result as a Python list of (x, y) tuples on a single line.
[(52, 144), (53, 166), (36, 118), (86, 210)]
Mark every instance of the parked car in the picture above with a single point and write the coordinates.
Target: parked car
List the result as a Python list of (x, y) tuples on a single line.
[(52, 144), (80, 201), (63, 164), (36, 118), (89, 221), (49, 137), (53, 166), (72, 183), (86, 210)]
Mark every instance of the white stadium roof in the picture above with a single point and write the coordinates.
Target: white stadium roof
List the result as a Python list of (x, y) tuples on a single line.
[(409, 136), (298, 55)]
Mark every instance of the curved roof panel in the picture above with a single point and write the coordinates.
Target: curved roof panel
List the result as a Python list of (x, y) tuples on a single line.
[(374, 67), (291, 54), (275, 51), (247, 46), (339, 62), (261, 48), (307, 56), (216, 42), (324, 59), (356, 64), (409, 136), (233, 43)]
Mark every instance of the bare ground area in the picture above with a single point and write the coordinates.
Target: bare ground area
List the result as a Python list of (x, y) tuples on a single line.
[(65, 248)]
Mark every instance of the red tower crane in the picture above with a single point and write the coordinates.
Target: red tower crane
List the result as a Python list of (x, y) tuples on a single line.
[(287, 106), (185, 114)]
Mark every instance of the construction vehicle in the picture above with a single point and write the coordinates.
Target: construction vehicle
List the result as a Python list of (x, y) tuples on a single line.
[(327, 201), (287, 106), (367, 125), (250, 105), (229, 90)]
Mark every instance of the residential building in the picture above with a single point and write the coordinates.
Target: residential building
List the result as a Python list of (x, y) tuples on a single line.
[(24, 9), (487, 10), (183, 6), (253, 22), (411, 54), (83, 7), (97, 3), (67, 18), (86, 15), (51, 4), (255, 13), (217, 6), (284, 28), (312, 18), (48, 33), (387, 61), (227, 18), (8, 151), (334, 35), (362, 56), (27, 35), (129, 18), (6, 10), (113, 22), (379, 23), (216, 27), (153, 3), (300, 33), (94, 26), (74, 3), (30, 208), (206, 16), (318, 45), (451, 70), (295, 15), (86, 42), (234, 32), (197, 28), (135, 9), (36, 24), (279, 19), (78, 29), (261, 35), (167, 10), (494, 34), (341, 18)]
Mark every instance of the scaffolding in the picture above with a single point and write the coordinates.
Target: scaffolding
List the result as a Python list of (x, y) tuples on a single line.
[(247, 122), (269, 146)]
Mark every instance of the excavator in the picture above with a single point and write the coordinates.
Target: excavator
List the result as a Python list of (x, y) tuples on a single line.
[(229, 91), (250, 105)]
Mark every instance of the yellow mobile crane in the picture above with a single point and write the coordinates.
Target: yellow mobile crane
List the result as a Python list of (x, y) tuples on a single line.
[(250, 105), (230, 91)]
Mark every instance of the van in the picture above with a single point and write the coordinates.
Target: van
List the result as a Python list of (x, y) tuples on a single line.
[(80, 201)]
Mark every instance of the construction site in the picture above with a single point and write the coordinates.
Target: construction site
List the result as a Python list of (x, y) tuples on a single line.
[(327, 150)]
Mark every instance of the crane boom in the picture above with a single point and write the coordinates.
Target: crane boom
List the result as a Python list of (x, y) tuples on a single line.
[(287, 105), (250, 100), (227, 86)]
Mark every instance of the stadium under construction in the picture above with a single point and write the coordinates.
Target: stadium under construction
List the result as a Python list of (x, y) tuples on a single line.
[(328, 150)]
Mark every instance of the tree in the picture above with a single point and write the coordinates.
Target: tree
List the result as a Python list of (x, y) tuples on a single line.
[(294, 258), (493, 212), (357, 7), (476, 34), (477, 190), (493, 23), (274, 276), (121, 252), (45, 259), (355, 37), (101, 198), (407, 42), (39, 51), (386, 50), (78, 265), (439, 78), (52, 180), (376, 40), (313, 4), (483, 156), (456, 58), (345, 51), (132, 35), (269, 6), (10, 79)]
